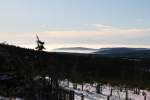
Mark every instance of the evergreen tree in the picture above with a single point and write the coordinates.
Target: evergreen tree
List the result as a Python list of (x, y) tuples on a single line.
[(40, 44)]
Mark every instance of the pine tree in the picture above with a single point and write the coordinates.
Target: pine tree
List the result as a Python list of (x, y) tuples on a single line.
[(40, 44)]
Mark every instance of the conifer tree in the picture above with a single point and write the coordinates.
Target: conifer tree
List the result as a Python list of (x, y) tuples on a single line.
[(40, 44)]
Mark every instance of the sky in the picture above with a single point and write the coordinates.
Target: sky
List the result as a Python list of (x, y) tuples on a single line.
[(69, 23)]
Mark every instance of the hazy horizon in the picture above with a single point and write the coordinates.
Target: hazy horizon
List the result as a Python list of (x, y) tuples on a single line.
[(52, 47)]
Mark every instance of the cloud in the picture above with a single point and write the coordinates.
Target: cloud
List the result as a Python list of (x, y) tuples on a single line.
[(44, 26), (100, 30), (139, 20), (103, 27), (100, 34)]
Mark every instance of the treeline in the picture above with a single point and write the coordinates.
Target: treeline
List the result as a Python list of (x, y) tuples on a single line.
[(26, 63), (116, 71)]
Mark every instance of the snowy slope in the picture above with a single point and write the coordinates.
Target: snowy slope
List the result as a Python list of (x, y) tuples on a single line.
[(89, 92)]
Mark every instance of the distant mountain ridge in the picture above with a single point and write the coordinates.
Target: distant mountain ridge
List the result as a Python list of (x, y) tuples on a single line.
[(110, 52), (124, 52), (75, 48), (120, 50)]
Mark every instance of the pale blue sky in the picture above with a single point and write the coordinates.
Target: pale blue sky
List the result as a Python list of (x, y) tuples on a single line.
[(20, 19)]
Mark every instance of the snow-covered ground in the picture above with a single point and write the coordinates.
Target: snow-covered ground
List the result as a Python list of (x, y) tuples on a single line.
[(89, 92), (3, 98)]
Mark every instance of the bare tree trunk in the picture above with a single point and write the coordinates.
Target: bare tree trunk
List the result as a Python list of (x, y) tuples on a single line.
[(111, 90), (144, 94), (71, 95), (82, 86), (108, 97), (99, 88), (145, 97), (138, 92), (120, 89), (67, 83), (82, 97), (75, 85), (135, 91), (126, 90)]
